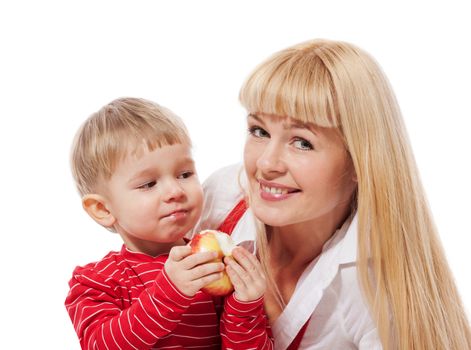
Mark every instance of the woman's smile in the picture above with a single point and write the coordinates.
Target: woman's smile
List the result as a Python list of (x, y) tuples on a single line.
[(284, 161), (271, 191)]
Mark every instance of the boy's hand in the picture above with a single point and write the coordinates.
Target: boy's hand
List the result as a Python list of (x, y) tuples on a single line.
[(246, 275), (191, 272)]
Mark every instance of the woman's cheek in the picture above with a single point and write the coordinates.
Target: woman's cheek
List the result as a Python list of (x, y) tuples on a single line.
[(251, 154)]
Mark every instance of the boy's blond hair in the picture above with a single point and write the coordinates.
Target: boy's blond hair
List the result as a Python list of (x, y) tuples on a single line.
[(104, 138)]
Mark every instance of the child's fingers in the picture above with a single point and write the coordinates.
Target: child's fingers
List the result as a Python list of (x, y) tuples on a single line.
[(248, 262), (234, 276), (205, 280), (248, 285), (206, 269), (237, 274), (196, 259), (178, 253)]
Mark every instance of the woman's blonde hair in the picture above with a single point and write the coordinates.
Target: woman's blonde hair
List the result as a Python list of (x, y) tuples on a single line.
[(402, 267), (105, 137)]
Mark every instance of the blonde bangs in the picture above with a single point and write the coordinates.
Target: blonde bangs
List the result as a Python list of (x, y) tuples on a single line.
[(126, 126), (294, 84), (402, 268), (133, 137)]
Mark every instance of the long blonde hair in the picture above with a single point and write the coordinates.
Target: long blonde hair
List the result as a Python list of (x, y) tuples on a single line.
[(402, 267)]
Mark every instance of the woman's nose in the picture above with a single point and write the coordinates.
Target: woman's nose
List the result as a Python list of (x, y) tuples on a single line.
[(271, 159), (172, 191)]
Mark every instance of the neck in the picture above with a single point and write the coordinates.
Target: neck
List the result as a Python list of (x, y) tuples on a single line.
[(151, 248), (298, 244)]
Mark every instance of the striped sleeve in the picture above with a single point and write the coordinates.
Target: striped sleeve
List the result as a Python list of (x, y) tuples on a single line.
[(96, 309), (244, 325)]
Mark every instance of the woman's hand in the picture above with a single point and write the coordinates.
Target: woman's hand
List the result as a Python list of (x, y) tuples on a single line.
[(246, 275), (191, 272)]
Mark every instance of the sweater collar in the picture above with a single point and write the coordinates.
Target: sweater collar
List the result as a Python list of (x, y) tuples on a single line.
[(138, 256)]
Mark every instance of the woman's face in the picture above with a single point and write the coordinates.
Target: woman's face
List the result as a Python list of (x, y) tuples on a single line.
[(297, 172)]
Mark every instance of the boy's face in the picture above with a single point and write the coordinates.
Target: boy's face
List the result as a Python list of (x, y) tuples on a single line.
[(155, 198)]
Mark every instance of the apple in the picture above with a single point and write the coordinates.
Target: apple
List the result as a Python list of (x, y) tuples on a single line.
[(220, 242)]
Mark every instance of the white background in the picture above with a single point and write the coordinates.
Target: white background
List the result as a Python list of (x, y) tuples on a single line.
[(60, 61)]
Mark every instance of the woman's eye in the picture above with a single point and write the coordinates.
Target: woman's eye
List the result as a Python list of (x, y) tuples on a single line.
[(258, 132), (303, 144), (186, 175), (148, 185)]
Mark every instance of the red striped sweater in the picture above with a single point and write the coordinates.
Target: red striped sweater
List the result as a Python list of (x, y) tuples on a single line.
[(126, 301)]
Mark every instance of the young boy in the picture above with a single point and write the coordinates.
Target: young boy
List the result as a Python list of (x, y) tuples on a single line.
[(132, 165)]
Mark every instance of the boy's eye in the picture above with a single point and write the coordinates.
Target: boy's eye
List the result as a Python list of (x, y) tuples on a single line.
[(258, 132), (186, 174), (303, 144), (148, 185)]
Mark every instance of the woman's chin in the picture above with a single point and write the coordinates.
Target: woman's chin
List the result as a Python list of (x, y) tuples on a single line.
[(271, 217)]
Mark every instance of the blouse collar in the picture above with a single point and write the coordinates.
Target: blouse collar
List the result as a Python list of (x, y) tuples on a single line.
[(340, 249)]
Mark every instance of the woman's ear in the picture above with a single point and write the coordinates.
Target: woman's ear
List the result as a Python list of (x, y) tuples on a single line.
[(95, 205)]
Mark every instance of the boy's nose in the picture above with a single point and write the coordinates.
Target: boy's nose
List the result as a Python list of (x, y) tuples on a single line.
[(173, 191)]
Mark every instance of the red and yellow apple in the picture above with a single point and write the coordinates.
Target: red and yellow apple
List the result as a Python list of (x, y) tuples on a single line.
[(221, 243)]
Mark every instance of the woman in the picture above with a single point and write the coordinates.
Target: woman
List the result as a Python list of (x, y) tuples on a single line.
[(351, 253)]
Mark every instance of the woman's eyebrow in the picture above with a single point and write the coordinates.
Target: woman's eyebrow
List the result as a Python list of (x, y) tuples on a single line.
[(254, 116), (288, 124), (296, 124)]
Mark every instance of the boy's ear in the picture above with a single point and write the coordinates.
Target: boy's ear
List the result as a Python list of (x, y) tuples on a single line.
[(95, 206)]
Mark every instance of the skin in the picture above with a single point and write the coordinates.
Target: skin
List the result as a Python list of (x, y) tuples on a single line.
[(155, 198), (152, 200), (301, 182), (246, 275)]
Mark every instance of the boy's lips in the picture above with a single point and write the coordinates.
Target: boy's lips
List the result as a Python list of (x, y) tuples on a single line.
[(176, 214)]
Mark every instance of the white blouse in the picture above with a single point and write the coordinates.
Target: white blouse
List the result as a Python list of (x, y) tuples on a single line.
[(328, 291)]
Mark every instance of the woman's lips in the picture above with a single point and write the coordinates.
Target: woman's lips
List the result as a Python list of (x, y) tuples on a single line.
[(276, 192)]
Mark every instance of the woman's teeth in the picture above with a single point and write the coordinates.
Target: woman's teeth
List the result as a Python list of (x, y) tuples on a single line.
[(274, 190)]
